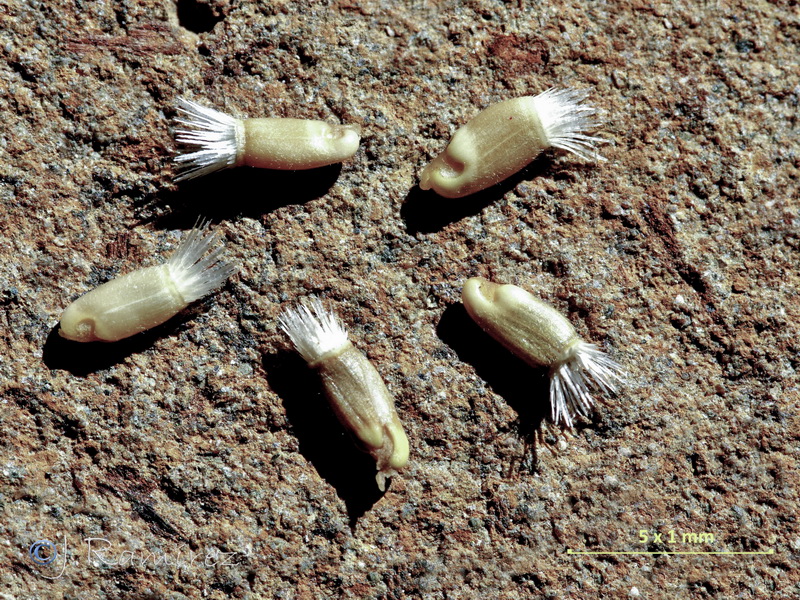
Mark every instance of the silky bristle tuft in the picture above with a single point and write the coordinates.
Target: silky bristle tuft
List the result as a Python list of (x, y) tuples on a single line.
[(566, 121), (314, 330), (211, 138), (195, 275), (571, 382)]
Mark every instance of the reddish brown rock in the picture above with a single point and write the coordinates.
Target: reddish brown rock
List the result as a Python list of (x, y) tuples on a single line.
[(207, 436)]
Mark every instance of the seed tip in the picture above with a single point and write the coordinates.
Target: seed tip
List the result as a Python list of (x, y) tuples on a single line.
[(572, 381), (566, 119), (193, 275), (212, 140), (314, 330)]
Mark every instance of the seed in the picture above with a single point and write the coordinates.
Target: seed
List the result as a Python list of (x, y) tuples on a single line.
[(354, 387), (147, 297), (507, 136), (215, 140), (543, 337)]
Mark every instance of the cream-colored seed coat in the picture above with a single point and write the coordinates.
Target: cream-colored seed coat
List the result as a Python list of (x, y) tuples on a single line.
[(528, 327), (141, 299), (355, 389), (213, 140), (505, 137), (541, 336), (123, 307), (296, 143), (495, 144), (363, 404)]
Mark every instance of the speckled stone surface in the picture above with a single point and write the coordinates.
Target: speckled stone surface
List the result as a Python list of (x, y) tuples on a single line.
[(200, 460)]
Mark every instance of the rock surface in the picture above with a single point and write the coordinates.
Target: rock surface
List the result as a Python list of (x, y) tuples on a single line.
[(159, 460)]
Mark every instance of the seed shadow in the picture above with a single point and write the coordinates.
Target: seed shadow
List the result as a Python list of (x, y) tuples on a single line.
[(425, 211), (83, 358), (527, 390), (243, 191), (323, 441)]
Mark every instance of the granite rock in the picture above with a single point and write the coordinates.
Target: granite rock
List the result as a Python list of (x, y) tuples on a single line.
[(200, 460)]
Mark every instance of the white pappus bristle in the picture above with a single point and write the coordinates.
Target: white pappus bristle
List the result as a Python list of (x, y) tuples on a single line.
[(566, 120), (193, 275), (212, 140), (314, 331), (571, 382)]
